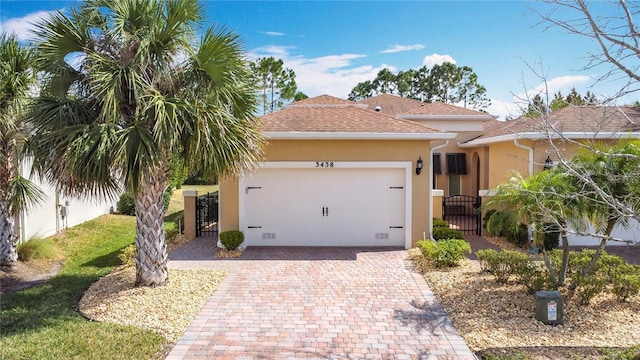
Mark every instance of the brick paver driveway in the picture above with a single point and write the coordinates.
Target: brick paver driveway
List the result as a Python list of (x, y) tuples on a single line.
[(324, 303)]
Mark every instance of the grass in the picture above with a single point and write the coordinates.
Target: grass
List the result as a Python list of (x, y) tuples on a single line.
[(43, 322), (39, 249)]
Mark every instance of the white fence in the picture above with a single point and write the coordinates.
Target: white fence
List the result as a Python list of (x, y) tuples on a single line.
[(631, 233)]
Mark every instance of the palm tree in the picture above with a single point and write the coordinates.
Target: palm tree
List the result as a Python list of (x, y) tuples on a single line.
[(542, 198), (608, 182), (127, 87), (17, 77)]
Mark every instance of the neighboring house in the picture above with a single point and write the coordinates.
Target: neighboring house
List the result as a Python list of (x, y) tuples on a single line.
[(340, 173), (57, 212), (523, 145)]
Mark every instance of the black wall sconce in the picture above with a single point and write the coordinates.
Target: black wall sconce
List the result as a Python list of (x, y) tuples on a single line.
[(419, 165), (548, 164)]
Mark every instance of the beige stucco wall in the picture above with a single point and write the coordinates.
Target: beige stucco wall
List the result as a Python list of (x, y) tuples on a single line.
[(343, 150), (469, 181)]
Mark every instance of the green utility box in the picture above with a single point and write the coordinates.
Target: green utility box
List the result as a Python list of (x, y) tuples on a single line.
[(549, 307)]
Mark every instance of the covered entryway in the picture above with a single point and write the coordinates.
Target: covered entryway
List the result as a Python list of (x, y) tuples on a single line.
[(326, 204)]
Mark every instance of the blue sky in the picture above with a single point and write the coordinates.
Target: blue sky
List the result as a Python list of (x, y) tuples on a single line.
[(333, 45)]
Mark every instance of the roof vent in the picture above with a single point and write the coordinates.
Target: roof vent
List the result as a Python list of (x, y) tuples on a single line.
[(378, 108)]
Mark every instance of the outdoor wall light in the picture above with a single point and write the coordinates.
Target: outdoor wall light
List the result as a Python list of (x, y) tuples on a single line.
[(419, 165), (548, 164)]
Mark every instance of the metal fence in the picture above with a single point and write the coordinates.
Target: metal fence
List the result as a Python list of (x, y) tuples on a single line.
[(463, 213), (207, 214)]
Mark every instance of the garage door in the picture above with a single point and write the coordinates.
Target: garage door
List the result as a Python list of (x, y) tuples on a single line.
[(325, 207)]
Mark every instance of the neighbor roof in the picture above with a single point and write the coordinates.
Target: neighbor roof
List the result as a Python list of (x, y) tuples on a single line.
[(329, 117), (573, 121)]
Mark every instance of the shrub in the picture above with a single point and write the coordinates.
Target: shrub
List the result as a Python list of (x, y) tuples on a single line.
[(231, 239), (446, 253), (166, 199), (437, 223), (626, 286), (126, 204), (518, 235), (588, 287), (442, 233), (38, 249), (128, 254), (497, 222), (503, 264)]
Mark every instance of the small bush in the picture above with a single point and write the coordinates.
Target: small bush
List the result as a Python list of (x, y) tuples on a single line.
[(626, 281), (166, 199), (498, 222), (518, 235), (439, 223), (128, 254), (632, 353), (446, 253), (126, 204), (503, 264), (231, 239), (588, 287), (442, 233), (38, 249)]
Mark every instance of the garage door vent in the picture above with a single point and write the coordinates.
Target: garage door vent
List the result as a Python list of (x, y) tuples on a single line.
[(268, 236), (382, 236)]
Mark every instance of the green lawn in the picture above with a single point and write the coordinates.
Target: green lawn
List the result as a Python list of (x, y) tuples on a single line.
[(43, 322)]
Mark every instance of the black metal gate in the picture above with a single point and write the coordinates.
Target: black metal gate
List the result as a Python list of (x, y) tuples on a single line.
[(207, 214), (463, 213)]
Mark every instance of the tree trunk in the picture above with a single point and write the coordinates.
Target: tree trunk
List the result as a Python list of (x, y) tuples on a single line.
[(565, 257), (8, 251), (151, 261)]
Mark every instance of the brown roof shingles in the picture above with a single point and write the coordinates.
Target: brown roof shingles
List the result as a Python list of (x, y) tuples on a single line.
[(391, 104), (317, 116), (578, 119)]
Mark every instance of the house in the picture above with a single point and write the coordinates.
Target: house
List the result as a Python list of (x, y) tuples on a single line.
[(525, 145), (375, 172)]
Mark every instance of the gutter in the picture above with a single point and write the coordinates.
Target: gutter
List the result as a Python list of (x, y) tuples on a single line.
[(438, 147), (530, 149)]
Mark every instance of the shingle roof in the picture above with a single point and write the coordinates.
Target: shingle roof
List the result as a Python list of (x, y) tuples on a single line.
[(440, 108), (391, 104), (315, 115), (571, 119), (321, 100)]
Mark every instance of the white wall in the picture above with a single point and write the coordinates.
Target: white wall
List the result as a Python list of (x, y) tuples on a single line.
[(632, 233), (44, 219)]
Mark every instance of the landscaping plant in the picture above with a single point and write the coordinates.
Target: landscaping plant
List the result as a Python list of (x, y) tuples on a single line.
[(445, 253), (231, 239)]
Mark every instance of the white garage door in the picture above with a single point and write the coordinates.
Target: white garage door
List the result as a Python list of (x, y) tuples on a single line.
[(325, 207)]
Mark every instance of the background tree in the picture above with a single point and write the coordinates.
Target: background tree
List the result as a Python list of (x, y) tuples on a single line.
[(276, 85), (447, 83), (135, 94), (17, 77)]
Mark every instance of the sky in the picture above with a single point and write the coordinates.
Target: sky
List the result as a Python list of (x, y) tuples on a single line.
[(334, 45)]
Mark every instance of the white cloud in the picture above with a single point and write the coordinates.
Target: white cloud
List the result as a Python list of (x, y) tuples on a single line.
[(273, 33), (437, 59), (23, 26), (332, 74), (399, 48), (560, 83), (504, 109)]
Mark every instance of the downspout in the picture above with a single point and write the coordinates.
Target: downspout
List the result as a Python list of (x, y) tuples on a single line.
[(438, 147), (530, 149)]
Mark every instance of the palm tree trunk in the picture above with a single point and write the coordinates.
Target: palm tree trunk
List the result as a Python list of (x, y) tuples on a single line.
[(151, 261), (8, 251)]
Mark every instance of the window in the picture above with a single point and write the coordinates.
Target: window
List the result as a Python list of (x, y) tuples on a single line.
[(454, 185), (437, 168), (457, 164)]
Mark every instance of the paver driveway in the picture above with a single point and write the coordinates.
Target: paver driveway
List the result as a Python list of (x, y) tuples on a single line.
[(325, 303)]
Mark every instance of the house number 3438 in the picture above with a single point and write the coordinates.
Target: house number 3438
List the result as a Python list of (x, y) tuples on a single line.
[(324, 164)]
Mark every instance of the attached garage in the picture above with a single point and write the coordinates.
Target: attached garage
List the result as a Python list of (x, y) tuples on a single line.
[(327, 204), (334, 174)]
